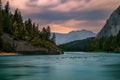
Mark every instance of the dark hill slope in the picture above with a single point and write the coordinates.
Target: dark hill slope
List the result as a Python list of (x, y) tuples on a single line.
[(78, 45)]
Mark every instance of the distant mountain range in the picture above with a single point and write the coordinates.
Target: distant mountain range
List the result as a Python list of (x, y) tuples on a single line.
[(108, 39), (73, 35)]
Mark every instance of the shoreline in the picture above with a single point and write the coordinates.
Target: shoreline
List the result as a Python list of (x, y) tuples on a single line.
[(9, 54), (28, 53)]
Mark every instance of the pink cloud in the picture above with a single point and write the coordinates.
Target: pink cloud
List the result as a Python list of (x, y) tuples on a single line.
[(77, 5), (72, 25), (68, 6), (63, 26), (57, 5)]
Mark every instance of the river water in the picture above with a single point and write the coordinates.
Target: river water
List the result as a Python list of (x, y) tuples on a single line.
[(69, 66)]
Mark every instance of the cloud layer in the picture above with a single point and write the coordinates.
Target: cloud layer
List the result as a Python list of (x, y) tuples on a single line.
[(67, 15)]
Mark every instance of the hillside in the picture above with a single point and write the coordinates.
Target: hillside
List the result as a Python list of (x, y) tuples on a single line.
[(108, 39), (73, 35), (78, 45), (23, 36), (112, 26)]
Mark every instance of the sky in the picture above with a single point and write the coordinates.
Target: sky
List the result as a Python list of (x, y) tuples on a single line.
[(64, 16)]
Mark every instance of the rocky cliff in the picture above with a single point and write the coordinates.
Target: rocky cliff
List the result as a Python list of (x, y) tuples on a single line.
[(112, 26)]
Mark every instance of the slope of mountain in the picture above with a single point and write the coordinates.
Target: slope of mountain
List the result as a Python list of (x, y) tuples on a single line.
[(72, 36), (78, 45), (108, 39), (112, 26)]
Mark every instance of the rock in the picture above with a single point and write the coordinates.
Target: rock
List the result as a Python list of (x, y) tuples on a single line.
[(112, 26), (25, 48)]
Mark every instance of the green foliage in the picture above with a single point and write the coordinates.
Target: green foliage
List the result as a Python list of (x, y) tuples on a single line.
[(0, 5), (6, 47), (0, 44), (79, 45), (7, 8), (14, 25), (102, 44), (45, 33), (105, 44)]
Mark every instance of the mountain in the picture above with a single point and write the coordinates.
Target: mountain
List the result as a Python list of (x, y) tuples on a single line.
[(107, 40), (72, 36), (112, 26)]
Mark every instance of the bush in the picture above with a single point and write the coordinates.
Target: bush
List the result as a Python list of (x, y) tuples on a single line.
[(6, 47)]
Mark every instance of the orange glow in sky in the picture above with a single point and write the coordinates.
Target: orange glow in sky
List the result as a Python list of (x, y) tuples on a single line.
[(67, 15)]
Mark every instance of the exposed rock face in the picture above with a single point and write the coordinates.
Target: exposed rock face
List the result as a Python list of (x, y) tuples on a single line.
[(26, 48), (112, 26)]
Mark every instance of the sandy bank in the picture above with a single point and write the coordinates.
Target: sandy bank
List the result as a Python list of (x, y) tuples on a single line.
[(9, 54)]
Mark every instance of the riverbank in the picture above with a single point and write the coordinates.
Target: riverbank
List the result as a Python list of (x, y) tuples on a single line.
[(30, 53), (9, 54)]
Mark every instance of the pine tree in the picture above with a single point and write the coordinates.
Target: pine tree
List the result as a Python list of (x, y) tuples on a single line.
[(0, 26), (17, 16), (7, 8), (43, 33), (48, 33), (0, 30), (0, 5), (18, 29)]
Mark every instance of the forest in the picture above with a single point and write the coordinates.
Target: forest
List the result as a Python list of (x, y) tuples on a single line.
[(13, 24), (108, 44)]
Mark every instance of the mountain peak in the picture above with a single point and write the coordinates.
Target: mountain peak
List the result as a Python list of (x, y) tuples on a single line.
[(80, 31), (73, 35)]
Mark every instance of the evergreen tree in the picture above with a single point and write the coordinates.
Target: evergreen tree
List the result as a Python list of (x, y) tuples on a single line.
[(0, 5), (17, 16), (48, 32), (7, 8), (0, 25), (18, 29), (118, 40), (6, 23)]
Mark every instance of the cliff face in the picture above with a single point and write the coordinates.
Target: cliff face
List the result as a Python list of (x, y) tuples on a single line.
[(112, 26)]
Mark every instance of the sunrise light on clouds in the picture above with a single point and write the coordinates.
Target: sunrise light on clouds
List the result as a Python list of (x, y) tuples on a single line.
[(67, 15)]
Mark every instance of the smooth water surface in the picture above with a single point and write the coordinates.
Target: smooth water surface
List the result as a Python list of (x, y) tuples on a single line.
[(69, 66)]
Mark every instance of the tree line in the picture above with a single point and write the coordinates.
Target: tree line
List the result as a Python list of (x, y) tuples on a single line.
[(14, 25), (111, 43)]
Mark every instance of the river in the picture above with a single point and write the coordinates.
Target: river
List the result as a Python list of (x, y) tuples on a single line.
[(69, 66)]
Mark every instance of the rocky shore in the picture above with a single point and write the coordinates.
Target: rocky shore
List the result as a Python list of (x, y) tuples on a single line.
[(22, 47)]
